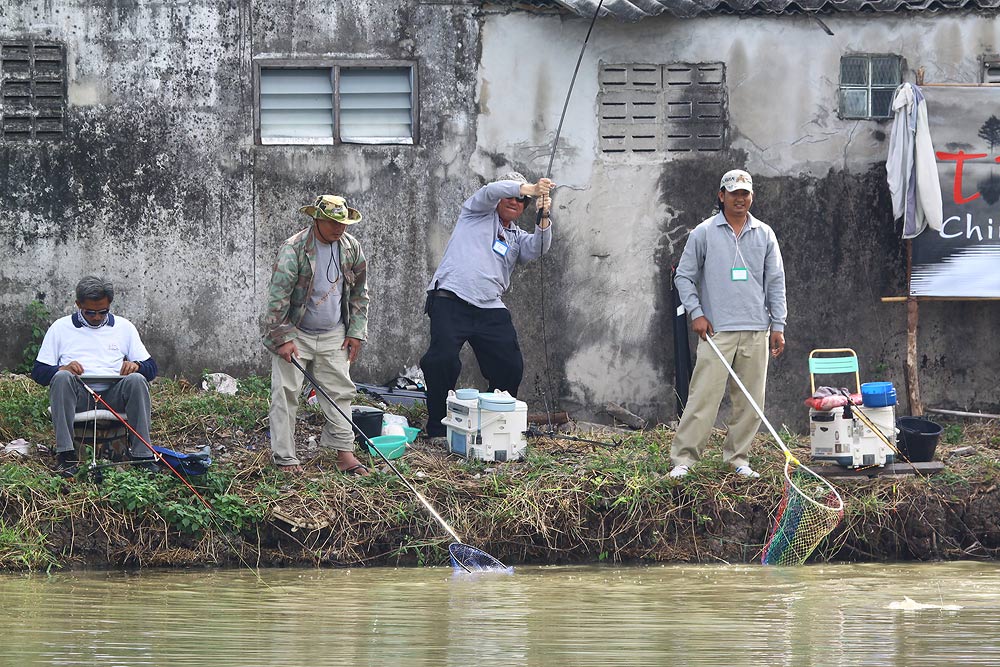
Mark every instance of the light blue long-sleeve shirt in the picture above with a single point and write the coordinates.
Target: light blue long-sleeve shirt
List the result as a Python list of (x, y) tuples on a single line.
[(704, 276), (470, 268)]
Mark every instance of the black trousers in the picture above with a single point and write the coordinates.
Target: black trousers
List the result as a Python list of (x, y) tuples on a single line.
[(491, 334)]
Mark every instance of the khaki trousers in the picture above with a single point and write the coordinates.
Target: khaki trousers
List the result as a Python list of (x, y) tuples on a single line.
[(747, 353), (323, 357)]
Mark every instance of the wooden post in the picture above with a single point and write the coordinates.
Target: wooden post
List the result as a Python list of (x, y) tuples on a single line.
[(912, 362)]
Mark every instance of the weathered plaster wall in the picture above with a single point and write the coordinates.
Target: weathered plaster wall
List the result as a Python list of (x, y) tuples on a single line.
[(158, 183), (819, 180), (160, 186)]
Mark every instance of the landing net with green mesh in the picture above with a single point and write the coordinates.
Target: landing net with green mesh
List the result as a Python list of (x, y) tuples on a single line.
[(809, 511), (810, 506)]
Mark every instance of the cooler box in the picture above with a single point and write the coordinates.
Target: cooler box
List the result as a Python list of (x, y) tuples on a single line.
[(849, 442), (486, 427)]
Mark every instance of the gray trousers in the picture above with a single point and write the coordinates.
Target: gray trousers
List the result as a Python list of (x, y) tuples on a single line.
[(129, 397)]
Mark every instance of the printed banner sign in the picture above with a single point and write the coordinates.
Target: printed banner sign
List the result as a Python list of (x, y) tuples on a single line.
[(963, 259)]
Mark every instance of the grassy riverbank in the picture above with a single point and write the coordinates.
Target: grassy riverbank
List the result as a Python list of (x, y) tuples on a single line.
[(566, 502)]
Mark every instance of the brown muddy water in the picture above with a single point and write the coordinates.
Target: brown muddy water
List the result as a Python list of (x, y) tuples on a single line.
[(900, 615)]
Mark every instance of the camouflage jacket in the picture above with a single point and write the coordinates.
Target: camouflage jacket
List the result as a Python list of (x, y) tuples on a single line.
[(291, 285)]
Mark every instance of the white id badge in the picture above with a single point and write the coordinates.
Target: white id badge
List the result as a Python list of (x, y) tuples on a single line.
[(740, 273), (500, 248)]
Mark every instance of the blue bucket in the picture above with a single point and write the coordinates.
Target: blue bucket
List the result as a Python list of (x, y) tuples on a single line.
[(878, 394)]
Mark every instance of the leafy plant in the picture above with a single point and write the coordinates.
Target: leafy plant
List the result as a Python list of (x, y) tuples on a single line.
[(953, 434), (131, 490), (186, 516), (36, 316), (24, 410), (24, 547)]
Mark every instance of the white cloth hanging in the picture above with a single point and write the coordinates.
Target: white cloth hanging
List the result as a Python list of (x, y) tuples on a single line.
[(911, 168)]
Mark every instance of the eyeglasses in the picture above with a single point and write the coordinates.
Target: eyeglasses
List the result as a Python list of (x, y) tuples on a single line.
[(95, 313), (522, 200)]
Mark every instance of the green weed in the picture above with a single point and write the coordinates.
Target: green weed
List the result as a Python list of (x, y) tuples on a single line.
[(24, 410), (131, 490), (953, 434), (36, 316), (23, 547), (22, 481)]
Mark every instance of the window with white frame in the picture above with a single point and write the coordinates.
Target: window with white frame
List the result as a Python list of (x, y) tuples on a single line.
[(867, 84), (331, 103)]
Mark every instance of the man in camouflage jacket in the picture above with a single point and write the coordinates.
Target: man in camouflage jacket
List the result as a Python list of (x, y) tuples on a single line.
[(317, 312)]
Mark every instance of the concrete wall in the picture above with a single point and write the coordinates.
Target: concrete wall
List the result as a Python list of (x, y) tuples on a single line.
[(160, 186), (819, 180)]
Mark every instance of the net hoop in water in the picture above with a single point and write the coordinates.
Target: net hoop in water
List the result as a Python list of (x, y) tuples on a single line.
[(470, 559), (809, 511)]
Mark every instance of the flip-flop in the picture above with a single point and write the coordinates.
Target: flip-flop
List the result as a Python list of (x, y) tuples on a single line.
[(295, 469), (353, 470)]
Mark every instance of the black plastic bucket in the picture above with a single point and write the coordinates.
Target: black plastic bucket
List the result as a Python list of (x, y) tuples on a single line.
[(368, 419), (918, 438)]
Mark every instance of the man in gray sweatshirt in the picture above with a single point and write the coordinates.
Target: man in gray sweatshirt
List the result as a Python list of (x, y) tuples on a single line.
[(731, 281), (463, 297)]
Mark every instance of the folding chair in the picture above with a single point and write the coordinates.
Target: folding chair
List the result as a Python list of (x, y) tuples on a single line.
[(836, 365)]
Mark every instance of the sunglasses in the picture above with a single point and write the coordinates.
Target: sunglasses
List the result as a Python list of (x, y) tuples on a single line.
[(95, 313), (522, 200)]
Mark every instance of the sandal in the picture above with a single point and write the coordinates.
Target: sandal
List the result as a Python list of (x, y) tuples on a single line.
[(356, 470), (294, 469)]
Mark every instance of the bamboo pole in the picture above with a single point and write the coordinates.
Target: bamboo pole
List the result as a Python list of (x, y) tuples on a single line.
[(959, 413), (912, 318)]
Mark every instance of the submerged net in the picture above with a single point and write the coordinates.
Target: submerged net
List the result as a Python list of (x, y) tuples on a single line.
[(470, 559), (810, 509)]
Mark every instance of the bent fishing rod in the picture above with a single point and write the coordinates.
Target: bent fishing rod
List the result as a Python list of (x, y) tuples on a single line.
[(538, 218)]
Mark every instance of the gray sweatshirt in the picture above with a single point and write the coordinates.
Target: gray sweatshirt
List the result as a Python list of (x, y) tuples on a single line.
[(704, 276), (470, 268)]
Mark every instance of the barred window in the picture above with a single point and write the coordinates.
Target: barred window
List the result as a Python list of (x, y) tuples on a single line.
[(867, 84), (32, 90)]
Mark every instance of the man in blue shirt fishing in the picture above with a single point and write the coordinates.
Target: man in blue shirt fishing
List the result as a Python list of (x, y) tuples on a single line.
[(463, 297)]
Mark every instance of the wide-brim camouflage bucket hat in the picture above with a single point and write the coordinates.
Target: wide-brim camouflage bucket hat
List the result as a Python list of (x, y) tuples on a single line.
[(332, 207)]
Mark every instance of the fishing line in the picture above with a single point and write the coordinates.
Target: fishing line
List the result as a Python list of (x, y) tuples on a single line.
[(538, 218)]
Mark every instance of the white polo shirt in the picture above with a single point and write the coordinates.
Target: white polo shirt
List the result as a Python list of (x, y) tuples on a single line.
[(100, 351)]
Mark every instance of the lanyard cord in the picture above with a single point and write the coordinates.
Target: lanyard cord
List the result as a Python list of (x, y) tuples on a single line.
[(739, 254)]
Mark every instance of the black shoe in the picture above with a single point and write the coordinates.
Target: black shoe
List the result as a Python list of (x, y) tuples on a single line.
[(148, 464), (67, 463)]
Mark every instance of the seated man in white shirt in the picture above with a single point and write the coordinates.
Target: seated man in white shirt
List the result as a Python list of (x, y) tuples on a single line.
[(92, 342)]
